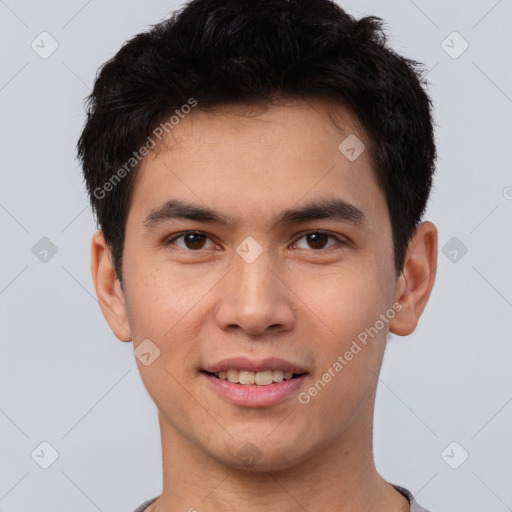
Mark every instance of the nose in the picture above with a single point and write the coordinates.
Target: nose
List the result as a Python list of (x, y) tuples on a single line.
[(255, 299)]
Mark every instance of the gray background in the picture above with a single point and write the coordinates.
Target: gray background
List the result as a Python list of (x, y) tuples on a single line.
[(66, 380)]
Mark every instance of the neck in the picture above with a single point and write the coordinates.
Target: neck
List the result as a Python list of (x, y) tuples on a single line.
[(338, 477)]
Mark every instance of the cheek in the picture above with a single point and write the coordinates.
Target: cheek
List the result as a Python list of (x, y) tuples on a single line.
[(162, 300), (349, 358), (163, 307), (348, 333), (342, 303)]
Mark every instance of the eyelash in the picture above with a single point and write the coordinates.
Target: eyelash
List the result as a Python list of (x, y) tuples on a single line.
[(340, 241)]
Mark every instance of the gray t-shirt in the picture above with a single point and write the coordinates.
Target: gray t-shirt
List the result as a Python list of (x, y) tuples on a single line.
[(415, 507)]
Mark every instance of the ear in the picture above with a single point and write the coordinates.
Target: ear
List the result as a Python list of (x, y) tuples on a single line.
[(108, 288), (415, 283)]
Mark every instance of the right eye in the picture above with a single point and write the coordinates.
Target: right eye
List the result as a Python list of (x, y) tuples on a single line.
[(191, 240)]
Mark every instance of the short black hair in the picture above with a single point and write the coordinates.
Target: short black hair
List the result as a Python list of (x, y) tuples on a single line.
[(213, 53)]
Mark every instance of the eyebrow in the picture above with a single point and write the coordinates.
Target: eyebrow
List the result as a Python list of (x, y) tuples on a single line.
[(335, 209)]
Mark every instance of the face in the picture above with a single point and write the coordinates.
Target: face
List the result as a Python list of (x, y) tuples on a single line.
[(233, 262)]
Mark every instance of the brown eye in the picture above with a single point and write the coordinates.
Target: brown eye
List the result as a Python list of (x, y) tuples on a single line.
[(194, 240), (317, 240), (191, 240)]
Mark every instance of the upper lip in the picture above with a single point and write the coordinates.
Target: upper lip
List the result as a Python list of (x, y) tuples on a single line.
[(252, 365)]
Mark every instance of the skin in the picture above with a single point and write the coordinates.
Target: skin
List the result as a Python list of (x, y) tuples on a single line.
[(298, 300)]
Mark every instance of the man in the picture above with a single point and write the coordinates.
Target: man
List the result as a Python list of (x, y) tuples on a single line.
[(259, 170)]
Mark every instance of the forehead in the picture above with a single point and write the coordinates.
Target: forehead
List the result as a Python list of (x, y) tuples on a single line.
[(257, 159), (290, 123)]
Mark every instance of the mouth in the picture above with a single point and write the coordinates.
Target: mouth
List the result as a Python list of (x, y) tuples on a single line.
[(249, 383), (251, 378)]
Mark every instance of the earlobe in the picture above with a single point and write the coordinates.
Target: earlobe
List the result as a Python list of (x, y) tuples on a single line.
[(416, 280), (108, 289)]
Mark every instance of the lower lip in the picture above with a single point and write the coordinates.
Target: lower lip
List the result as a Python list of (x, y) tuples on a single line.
[(251, 395)]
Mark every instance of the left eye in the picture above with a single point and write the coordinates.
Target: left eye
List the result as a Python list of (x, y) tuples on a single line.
[(317, 240)]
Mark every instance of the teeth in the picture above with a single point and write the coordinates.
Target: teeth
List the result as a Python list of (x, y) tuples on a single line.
[(246, 377), (263, 378), (233, 376), (277, 376)]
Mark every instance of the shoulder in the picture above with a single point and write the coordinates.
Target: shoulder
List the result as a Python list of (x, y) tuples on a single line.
[(143, 506), (414, 505)]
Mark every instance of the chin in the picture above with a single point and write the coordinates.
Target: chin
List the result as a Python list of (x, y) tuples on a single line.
[(258, 455)]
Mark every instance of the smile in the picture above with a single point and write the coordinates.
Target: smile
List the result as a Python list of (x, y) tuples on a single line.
[(255, 389), (262, 378)]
